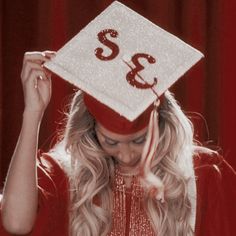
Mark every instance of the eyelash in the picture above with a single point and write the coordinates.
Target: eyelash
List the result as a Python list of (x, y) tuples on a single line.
[(111, 143), (136, 142)]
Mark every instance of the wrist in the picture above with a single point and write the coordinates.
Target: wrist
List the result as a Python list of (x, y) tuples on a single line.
[(33, 115)]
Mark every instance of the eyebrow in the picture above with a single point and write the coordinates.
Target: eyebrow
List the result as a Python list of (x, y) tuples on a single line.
[(141, 136)]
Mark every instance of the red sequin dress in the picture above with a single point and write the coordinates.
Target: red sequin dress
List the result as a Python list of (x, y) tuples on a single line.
[(215, 212), (129, 217)]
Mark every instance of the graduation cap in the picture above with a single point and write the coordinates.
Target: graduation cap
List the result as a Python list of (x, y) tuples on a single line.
[(123, 60), (123, 63)]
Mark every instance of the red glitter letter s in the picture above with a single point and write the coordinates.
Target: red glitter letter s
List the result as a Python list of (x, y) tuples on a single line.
[(103, 39)]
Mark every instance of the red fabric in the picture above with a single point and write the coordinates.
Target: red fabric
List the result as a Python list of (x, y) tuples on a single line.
[(113, 121), (216, 194), (52, 216), (208, 88)]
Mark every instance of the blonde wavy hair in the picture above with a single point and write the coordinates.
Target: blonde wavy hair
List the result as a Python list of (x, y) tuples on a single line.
[(92, 171)]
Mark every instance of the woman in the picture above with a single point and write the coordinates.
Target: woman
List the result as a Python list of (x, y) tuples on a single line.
[(95, 187)]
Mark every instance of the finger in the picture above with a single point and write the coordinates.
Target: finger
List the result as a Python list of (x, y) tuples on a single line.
[(34, 76), (50, 54), (48, 72), (27, 70), (38, 57), (40, 82), (44, 86)]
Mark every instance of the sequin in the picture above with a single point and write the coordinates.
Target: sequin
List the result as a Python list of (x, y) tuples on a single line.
[(129, 217)]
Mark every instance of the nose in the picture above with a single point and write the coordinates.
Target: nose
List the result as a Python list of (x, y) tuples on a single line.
[(125, 152)]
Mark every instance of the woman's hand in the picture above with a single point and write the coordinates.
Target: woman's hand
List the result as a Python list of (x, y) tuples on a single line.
[(19, 213), (36, 81)]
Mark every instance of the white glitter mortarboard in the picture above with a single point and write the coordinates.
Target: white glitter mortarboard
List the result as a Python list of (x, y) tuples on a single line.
[(123, 60)]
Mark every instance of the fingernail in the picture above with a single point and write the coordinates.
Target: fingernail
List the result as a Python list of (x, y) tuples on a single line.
[(50, 56)]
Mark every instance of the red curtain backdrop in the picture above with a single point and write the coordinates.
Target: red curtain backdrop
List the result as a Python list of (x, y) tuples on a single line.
[(208, 88)]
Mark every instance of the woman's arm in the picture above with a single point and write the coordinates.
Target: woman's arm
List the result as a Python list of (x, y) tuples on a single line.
[(20, 195)]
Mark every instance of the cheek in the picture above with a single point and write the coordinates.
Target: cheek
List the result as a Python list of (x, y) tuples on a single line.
[(109, 151), (138, 149)]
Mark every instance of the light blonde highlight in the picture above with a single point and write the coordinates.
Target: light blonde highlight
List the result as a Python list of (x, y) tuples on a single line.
[(92, 171)]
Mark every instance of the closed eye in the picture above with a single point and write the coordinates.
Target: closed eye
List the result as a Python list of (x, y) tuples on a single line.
[(111, 142), (140, 140)]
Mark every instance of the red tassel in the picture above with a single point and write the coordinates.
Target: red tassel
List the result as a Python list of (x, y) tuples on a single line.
[(150, 181)]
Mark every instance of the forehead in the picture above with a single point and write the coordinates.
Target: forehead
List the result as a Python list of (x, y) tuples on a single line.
[(119, 137)]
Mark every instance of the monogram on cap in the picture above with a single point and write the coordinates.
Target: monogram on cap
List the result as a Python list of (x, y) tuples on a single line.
[(123, 60)]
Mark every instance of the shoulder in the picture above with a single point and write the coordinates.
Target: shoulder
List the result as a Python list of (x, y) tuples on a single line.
[(215, 181), (207, 158), (212, 164), (216, 194), (208, 175), (49, 165), (48, 162), (52, 179)]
